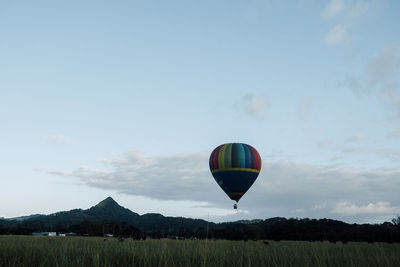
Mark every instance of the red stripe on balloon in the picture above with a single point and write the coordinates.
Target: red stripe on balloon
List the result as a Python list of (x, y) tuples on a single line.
[(214, 156), (256, 160)]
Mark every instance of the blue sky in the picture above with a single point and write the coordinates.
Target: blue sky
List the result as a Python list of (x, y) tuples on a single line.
[(128, 99)]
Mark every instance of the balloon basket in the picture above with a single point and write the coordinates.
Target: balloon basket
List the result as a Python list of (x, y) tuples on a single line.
[(235, 206)]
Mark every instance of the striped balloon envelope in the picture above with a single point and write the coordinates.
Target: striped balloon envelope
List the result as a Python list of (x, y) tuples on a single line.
[(235, 167)]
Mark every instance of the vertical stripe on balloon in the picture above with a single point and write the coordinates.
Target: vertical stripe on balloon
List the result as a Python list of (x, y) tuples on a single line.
[(253, 158), (256, 159), (234, 156), (241, 156), (221, 157), (228, 156), (247, 156), (215, 157)]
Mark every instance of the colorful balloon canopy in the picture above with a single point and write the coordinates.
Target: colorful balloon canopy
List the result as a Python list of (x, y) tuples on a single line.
[(235, 167)]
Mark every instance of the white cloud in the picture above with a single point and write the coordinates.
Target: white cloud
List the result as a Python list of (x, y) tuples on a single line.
[(394, 132), (389, 153), (381, 75), (336, 35), (333, 8), (299, 210), (319, 206), (175, 177), (255, 106), (355, 138), (358, 148), (361, 7), (282, 189), (59, 139), (348, 145), (345, 13), (355, 84), (383, 69), (380, 207), (347, 9)]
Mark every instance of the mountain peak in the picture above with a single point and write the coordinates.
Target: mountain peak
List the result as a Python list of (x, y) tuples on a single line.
[(107, 203)]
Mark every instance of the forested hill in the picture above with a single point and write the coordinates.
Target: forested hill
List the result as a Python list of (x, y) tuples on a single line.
[(109, 217), (107, 211)]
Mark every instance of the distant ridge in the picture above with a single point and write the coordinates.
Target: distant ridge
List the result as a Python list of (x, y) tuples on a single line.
[(23, 218), (109, 202), (109, 210), (106, 211), (109, 217)]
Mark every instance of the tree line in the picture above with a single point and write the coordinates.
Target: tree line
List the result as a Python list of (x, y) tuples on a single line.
[(273, 229)]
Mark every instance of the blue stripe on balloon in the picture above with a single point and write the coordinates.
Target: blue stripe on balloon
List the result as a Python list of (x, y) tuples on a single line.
[(228, 156), (247, 156), (234, 157), (241, 156)]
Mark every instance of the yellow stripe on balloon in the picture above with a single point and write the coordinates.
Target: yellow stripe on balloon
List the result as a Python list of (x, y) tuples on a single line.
[(235, 169), (228, 156), (221, 157), (235, 194)]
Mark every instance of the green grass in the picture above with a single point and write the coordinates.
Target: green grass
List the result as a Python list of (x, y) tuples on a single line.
[(90, 251)]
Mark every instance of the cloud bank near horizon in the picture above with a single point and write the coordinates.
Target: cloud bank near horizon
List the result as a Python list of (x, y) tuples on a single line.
[(283, 188)]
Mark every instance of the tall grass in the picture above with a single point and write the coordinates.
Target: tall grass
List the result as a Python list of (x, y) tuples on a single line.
[(88, 251)]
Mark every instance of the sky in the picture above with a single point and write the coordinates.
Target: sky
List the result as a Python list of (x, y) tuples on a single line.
[(128, 99)]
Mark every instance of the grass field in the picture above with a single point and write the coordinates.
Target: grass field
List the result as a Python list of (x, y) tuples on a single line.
[(91, 251)]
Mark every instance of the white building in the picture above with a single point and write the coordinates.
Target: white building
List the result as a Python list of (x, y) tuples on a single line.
[(44, 234)]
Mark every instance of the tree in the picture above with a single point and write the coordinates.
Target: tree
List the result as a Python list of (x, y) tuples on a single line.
[(396, 221)]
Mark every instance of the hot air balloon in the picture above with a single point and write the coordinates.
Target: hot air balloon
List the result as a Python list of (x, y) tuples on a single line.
[(235, 167)]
